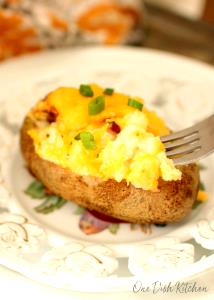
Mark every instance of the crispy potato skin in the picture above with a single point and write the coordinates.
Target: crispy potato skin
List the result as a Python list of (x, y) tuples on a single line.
[(171, 204)]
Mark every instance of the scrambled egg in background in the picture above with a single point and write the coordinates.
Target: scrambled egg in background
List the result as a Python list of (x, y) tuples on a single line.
[(135, 154)]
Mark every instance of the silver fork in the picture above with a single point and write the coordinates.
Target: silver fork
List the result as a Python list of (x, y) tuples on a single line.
[(191, 144)]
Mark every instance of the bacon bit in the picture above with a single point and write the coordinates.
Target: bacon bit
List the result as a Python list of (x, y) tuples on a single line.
[(52, 115), (114, 127)]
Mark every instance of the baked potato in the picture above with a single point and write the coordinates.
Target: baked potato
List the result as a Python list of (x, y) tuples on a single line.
[(170, 202)]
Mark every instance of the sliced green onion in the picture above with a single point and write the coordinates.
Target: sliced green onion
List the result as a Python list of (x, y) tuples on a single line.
[(36, 190), (108, 91), (136, 104), (96, 105), (87, 139), (86, 90)]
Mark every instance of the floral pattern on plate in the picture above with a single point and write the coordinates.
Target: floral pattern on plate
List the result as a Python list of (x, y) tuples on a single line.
[(31, 250)]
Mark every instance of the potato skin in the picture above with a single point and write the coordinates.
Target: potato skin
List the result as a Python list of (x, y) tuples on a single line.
[(171, 204)]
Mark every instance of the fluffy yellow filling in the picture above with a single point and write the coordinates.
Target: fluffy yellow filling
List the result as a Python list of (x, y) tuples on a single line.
[(134, 153)]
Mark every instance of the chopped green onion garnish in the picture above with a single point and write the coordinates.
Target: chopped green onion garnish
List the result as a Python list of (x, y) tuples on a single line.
[(96, 105), (36, 190), (136, 104), (108, 91), (87, 139), (86, 90)]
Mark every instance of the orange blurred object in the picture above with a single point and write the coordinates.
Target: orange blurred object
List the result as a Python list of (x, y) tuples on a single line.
[(27, 25), (111, 19), (14, 37), (208, 14)]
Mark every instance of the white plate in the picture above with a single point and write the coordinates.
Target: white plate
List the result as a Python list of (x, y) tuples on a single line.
[(178, 88)]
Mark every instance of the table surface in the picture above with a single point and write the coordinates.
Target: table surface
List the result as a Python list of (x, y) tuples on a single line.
[(170, 32)]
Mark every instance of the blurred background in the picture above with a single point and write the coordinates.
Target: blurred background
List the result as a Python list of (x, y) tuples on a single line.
[(185, 26)]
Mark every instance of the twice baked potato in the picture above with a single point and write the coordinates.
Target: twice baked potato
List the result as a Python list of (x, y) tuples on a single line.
[(76, 167)]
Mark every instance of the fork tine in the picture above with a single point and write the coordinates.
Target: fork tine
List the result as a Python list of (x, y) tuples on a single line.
[(207, 147), (192, 157), (183, 150), (180, 134), (187, 159), (181, 142), (191, 144), (188, 131)]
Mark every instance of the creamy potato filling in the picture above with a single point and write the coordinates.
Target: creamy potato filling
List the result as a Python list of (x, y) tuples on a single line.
[(98, 132)]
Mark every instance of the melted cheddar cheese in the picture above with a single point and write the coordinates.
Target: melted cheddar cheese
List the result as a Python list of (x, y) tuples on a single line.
[(135, 153)]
